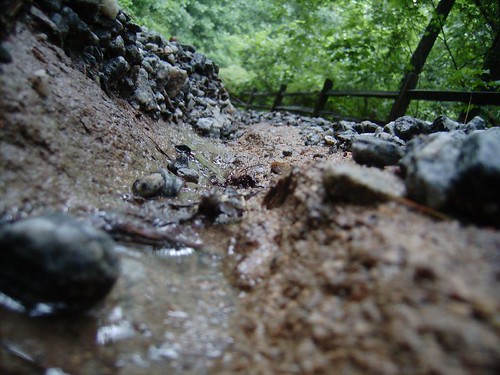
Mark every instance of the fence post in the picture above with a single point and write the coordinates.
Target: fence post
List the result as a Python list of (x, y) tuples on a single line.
[(323, 97), (279, 97), (403, 100), (251, 97)]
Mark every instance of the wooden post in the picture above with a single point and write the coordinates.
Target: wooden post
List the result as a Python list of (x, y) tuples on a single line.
[(419, 57), (251, 97), (279, 98), (323, 97)]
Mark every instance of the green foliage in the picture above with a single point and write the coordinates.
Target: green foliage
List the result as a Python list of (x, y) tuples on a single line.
[(360, 44)]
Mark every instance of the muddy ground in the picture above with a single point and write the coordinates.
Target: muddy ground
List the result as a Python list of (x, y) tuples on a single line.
[(296, 282)]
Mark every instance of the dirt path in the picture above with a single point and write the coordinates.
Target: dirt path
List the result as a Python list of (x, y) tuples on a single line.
[(296, 281)]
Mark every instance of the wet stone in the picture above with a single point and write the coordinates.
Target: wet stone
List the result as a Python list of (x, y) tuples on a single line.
[(407, 127), (161, 183), (182, 161), (117, 47), (430, 167), (58, 261), (443, 123), (115, 68), (477, 123), (188, 175), (371, 151), (476, 190)]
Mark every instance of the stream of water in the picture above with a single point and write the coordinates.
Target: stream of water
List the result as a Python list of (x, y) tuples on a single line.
[(168, 313)]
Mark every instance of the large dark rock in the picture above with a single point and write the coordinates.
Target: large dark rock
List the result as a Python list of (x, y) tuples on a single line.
[(56, 260), (430, 167), (456, 172), (371, 151), (477, 189)]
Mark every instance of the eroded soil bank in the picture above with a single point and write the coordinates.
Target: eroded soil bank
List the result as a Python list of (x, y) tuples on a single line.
[(290, 280)]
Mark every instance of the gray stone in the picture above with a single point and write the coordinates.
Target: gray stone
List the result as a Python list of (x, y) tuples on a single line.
[(161, 183), (58, 261), (182, 161), (133, 54), (345, 138), (389, 137), (366, 127), (143, 92), (188, 175), (356, 184), (407, 127), (443, 123), (477, 188), (477, 123), (430, 167), (172, 184), (117, 47), (176, 79), (372, 151), (115, 68)]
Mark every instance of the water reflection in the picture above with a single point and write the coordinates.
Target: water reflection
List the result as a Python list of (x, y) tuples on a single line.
[(168, 313)]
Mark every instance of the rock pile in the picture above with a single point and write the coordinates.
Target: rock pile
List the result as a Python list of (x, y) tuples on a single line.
[(446, 165), (164, 79)]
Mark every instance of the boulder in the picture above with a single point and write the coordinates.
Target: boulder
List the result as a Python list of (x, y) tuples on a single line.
[(57, 261)]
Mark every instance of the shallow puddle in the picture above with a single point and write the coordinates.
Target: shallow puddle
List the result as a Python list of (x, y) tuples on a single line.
[(168, 313)]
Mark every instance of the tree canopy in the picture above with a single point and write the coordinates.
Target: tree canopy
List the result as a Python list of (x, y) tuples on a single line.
[(359, 44)]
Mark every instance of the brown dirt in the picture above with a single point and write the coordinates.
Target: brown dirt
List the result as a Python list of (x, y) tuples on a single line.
[(321, 286)]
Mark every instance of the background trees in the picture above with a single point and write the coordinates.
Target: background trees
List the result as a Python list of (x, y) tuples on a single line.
[(360, 44)]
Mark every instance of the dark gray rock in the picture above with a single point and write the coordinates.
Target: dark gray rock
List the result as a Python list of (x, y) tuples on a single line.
[(389, 137), (407, 127), (345, 139), (133, 55), (372, 151), (430, 167), (58, 261), (443, 124), (477, 123), (160, 183), (476, 192), (366, 127), (115, 68), (87, 9), (144, 93), (117, 47), (182, 161), (50, 5)]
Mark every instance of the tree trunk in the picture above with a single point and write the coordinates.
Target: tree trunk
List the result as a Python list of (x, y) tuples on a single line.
[(419, 57)]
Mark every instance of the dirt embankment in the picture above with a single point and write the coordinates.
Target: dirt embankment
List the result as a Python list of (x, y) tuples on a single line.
[(322, 285)]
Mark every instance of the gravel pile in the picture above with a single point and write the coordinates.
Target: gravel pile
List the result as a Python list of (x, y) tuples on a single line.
[(165, 79)]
